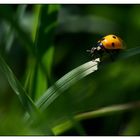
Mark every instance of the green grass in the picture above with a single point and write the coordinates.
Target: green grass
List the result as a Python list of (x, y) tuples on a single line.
[(54, 104)]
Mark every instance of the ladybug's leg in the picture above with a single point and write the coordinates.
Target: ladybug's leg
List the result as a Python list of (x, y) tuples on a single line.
[(98, 54), (114, 54), (111, 56), (94, 55), (93, 52)]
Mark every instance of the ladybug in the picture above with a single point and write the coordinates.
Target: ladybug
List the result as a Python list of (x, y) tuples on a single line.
[(110, 44)]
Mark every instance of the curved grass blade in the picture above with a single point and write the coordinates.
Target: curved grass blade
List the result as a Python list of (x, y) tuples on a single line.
[(18, 89), (72, 77), (65, 82)]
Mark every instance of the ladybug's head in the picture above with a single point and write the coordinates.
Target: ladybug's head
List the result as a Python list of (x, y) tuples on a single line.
[(99, 46)]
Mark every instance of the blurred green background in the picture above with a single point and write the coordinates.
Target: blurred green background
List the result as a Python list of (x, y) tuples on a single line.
[(41, 43)]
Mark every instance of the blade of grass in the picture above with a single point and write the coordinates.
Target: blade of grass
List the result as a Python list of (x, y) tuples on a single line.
[(47, 22), (43, 34), (26, 101), (96, 113), (130, 52), (108, 110), (65, 82)]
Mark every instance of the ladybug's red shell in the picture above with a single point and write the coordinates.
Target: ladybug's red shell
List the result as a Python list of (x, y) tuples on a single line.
[(111, 42)]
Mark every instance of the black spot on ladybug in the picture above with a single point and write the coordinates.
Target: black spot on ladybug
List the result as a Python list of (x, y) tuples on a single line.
[(114, 36), (113, 45)]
